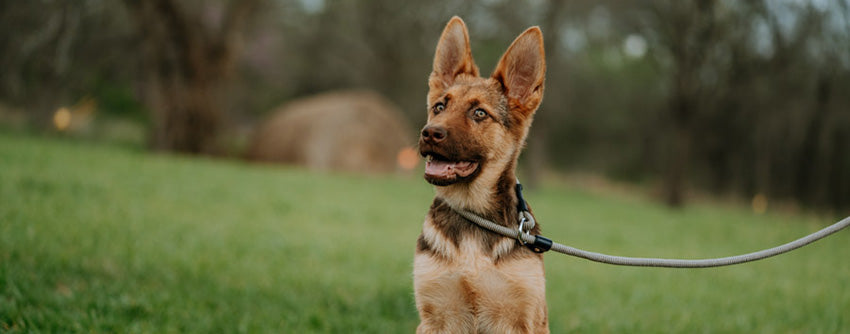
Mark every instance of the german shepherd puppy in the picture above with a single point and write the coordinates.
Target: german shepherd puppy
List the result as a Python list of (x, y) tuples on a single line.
[(466, 279)]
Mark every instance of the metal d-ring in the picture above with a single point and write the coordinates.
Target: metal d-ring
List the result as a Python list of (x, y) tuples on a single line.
[(520, 231)]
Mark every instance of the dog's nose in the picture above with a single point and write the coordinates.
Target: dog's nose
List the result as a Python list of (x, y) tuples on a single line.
[(434, 134)]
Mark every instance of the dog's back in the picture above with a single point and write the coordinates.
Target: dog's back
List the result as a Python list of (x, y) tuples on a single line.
[(468, 280)]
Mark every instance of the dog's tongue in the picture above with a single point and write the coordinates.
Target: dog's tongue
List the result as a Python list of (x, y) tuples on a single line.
[(447, 169)]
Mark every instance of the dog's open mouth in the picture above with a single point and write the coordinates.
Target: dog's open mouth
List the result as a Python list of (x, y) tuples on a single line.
[(441, 171)]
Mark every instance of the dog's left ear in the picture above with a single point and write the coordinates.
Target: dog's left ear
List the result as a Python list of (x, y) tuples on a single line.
[(522, 70)]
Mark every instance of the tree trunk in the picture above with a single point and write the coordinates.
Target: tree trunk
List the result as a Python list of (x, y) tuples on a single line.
[(186, 63), (679, 154), (691, 35), (807, 188), (538, 150)]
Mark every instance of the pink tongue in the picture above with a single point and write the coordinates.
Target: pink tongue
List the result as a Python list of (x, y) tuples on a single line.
[(439, 168), (446, 169)]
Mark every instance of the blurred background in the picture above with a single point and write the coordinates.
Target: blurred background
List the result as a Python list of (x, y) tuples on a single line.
[(748, 100)]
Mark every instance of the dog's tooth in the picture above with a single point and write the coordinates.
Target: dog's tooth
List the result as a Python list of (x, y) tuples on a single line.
[(428, 158)]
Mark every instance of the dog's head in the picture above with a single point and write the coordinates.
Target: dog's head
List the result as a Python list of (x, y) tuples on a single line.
[(475, 123)]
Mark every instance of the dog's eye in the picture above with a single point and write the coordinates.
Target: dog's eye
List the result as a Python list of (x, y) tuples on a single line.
[(439, 107), (480, 113)]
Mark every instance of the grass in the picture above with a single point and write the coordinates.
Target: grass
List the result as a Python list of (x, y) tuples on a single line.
[(98, 238)]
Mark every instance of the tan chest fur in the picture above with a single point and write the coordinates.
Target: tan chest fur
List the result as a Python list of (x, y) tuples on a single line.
[(461, 287)]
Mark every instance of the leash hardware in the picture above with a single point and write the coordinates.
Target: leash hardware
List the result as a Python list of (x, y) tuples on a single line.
[(519, 232), (541, 244)]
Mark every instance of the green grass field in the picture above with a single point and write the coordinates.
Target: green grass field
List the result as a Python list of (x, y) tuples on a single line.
[(99, 238)]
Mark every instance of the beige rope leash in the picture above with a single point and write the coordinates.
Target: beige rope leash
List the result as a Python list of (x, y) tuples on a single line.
[(535, 240), (541, 244)]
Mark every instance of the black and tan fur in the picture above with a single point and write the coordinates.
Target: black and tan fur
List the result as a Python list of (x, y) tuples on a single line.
[(466, 279)]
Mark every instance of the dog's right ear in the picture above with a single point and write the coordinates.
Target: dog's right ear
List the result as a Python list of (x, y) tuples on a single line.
[(453, 56)]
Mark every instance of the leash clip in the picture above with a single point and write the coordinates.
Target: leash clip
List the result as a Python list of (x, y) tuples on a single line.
[(519, 231), (540, 245)]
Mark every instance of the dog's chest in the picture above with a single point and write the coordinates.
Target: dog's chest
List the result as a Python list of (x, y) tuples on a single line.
[(471, 258), (464, 274), (470, 280), (471, 286), (470, 267)]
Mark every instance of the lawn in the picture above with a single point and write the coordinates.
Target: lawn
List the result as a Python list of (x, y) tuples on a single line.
[(100, 238)]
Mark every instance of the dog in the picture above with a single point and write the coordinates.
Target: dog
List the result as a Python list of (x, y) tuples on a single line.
[(467, 279)]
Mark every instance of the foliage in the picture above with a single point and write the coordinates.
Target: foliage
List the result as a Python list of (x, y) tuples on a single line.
[(734, 98)]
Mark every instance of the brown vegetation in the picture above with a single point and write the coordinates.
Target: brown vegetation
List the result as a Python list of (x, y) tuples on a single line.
[(347, 130)]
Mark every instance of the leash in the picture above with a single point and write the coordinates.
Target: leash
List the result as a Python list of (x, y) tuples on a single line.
[(540, 244)]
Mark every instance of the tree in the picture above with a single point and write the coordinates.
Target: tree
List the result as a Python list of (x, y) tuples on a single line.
[(688, 35), (187, 60)]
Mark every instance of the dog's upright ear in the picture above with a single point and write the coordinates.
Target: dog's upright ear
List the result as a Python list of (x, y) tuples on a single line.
[(453, 56), (522, 70)]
